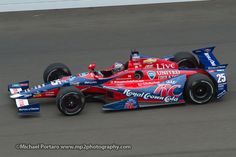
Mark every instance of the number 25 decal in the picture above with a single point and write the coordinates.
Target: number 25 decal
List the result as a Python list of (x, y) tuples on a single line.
[(221, 78)]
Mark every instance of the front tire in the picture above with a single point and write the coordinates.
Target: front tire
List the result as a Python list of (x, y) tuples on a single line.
[(55, 71), (199, 89), (70, 101)]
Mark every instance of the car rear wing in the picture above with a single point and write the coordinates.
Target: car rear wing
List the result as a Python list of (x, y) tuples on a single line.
[(206, 57), (23, 105), (216, 70)]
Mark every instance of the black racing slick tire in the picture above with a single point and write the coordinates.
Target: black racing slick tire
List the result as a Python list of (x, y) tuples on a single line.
[(70, 101), (199, 89), (55, 71), (186, 60)]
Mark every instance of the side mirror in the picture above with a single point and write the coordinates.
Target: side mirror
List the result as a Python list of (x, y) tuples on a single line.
[(92, 67)]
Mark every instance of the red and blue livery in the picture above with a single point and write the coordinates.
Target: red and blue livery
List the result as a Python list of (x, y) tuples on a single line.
[(142, 81)]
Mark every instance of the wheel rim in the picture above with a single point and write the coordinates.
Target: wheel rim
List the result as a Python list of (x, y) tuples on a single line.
[(201, 92), (71, 103)]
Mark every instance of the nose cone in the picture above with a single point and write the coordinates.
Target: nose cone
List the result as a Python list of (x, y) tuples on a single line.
[(15, 96)]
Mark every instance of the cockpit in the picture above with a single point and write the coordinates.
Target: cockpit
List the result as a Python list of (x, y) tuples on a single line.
[(135, 61)]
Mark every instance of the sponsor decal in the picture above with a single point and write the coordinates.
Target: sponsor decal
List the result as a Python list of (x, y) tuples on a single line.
[(149, 61), (21, 102), (165, 66), (56, 82), (148, 66), (75, 83), (41, 88), (90, 82), (28, 109), (162, 77), (218, 68), (221, 94), (210, 59), (151, 74), (168, 72), (50, 93), (128, 81), (130, 104), (15, 90), (37, 95), (15, 85), (166, 77), (148, 83), (130, 93), (125, 78), (24, 84), (27, 95), (26, 90), (163, 92), (167, 89), (171, 81)]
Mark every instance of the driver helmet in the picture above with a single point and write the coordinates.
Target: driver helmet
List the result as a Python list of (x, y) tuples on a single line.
[(117, 67)]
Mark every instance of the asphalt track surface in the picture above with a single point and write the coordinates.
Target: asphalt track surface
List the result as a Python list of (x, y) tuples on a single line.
[(29, 41)]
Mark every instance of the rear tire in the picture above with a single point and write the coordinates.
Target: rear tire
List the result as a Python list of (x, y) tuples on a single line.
[(199, 89), (185, 60), (55, 71), (70, 101)]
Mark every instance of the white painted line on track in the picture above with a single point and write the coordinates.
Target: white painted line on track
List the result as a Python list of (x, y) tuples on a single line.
[(27, 5)]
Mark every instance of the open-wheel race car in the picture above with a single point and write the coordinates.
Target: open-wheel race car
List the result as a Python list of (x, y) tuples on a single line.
[(140, 82)]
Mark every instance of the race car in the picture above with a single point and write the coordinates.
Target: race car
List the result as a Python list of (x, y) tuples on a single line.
[(142, 81)]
